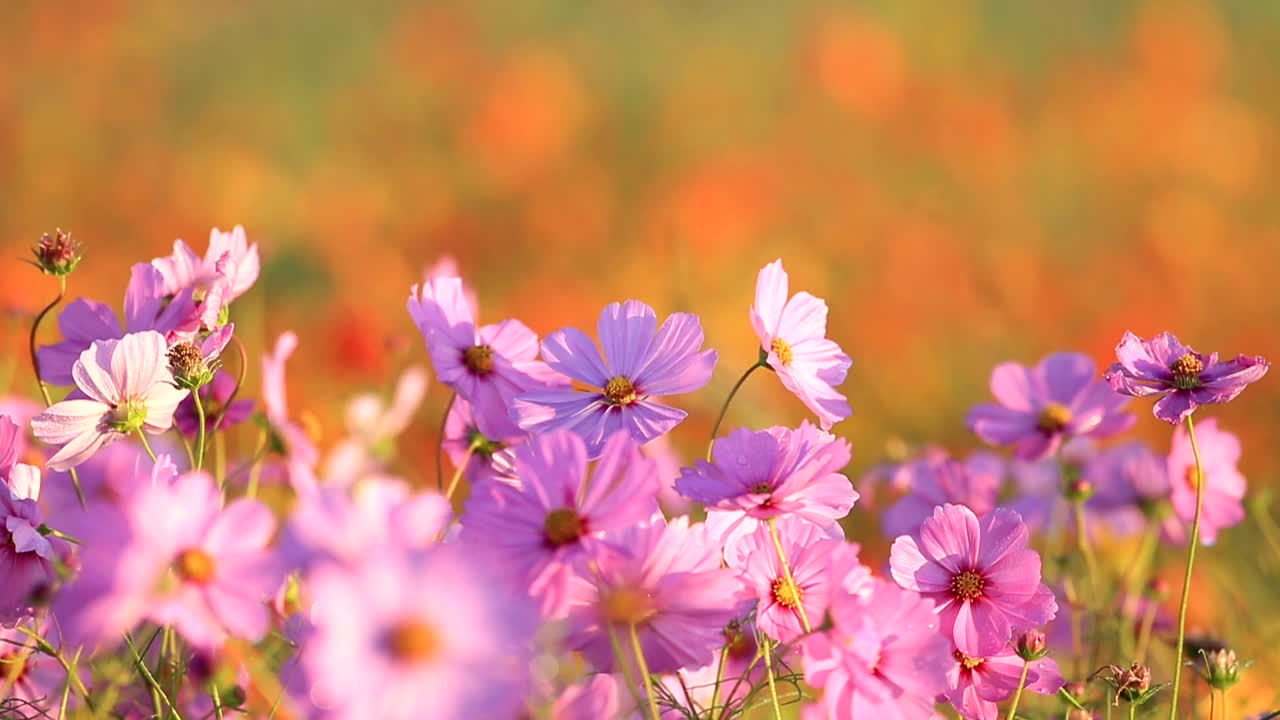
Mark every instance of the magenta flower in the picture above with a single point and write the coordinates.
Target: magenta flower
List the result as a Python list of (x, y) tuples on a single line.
[(640, 362), (409, 630), (937, 480), (669, 585), (1224, 486), (26, 556), (546, 529), (771, 474), (1183, 378), (487, 366), (982, 577), (171, 555), (976, 684), (808, 552), (1040, 407), (491, 459), (185, 270), (793, 338), (126, 386), (882, 658)]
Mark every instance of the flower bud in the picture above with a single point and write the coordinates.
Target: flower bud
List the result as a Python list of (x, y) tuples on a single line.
[(1158, 589), (1031, 645), (1221, 670), (1134, 681), (1079, 489), (57, 255), (189, 368)]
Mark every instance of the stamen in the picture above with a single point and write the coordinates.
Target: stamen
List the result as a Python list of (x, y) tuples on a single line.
[(967, 585), (620, 391)]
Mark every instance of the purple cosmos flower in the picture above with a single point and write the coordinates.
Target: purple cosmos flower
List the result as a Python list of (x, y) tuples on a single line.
[(976, 684), (490, 459), (669, 585), (487, 366), (937, 480), (545, 530), (26, 556), (185, 270), (170, 554), (1183, 378), (1224, 486), (1131, 481), (1042, 485), (981, 575), (640, 362), (126, 386), (807, 551), (883, 657), (84, 322), (770, 474), (214, 397), (1040, 407), (793, 336), (408, 630)]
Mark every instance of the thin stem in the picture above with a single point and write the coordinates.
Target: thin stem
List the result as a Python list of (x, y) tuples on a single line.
[(255, 469), (1086, 549), (644, 672), (440, 444), (1109, 703), (715, 429), (195, 396), (728, 700), (217, 699), (146, 444), (1213, 710), (462, 466), (1133, 711), (786, 574), (773, 688), (623, 665), (1186, 580), (157, 692), (1017, 694), (244, 369), (35, 328), (715, 689), (219, 460), (186, 445), (73, 678), (1224, 703)]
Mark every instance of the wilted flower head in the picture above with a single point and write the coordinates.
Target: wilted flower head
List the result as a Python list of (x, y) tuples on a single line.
[(192, 363), (793, 340), (1040, 407), (57, 254), (220, 410), (981, 574), (1183, 378), (936, 480), (640, 362), (1132, 684), (127, 387), (1224, 485)]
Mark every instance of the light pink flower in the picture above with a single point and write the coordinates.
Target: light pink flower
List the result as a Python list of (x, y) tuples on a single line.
[(126, 386), (793, 336), (185, 270), (1224, 485), (373, 427), (976, 684), (488, 459), (299, 452)]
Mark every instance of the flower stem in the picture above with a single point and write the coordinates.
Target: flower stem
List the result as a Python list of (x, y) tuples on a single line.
[(1133, 710), (157, 692), (623, 665), (146, 444), (1017, 694), (715, 429), (715, 689), (773, 687), (1144, 632), (440, 443), (462, 466), (644, 672), (73, 678), (35, 327), (244, 369), (1086, 549), (195, 396), (1186, 580), (786, 573), (217, 699)]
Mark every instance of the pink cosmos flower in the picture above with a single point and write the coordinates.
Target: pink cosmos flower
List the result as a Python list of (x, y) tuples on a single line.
[(808, 553), (771, 474), (170, 554), (373, 427), (299, 452), (26, 556), (84, 322), (669, 585), (1183, 378), (640, 362), (185, 270), (793, 338), (1040, 407), (405, 631), (126, 387), (546, 530), (487, 366), (936, 480), (594, 698), (882, 658), (981, 575), (446, 266), (492, 459), (1224, 486), (976, 684)]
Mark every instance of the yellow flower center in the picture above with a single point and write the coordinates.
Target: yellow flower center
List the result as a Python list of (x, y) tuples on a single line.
[(969, 663), (195, 566), (1190, 477), (1054, 418), (563, 527), (1186, 371), (412, 642), (786, 594), (967, 585), (619, 391), (627, 606), (478, 359), (782, 350)]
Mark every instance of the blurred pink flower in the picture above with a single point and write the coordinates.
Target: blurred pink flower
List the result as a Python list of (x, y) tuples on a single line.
[(793, 337), (937, 480), (185, 270), (26, 556), (1224, 485), (300, 454), (491, 459), (373, 427)]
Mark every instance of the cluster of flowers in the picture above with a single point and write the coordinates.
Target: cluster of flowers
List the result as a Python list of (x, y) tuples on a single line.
[(587, 575)]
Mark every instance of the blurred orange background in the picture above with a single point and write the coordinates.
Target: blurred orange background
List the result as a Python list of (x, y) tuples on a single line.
[(963, 182)]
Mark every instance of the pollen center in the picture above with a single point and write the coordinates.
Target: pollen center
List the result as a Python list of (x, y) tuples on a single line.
[(1186, 371), (1054, 418), (413, 641), (185, 359), (762, 488), (969, 663), (627, 606), (478, 359), (786, 594), (563, 527), (782, 350), (1190, 477), (967, 585), (195, 566), (619, 391)]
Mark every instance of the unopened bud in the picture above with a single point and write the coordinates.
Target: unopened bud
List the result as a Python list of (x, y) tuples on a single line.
[(57, 254), (1221, 669), (1031, 645), (1158, 589), (234, 696), (1079, 489)]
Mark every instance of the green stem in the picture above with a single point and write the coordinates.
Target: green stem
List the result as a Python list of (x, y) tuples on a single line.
[(644, 672), (1133, 710), (715, 689), (1017, 694), (195, 396), (1186, 580), (217, 699), (157, 692), (186, 445), (440, 443), (728, 700), (146, 444), (462, 466), (35, 328), (1086, 549), (73, 678), (773, 688), (623, 665), (1144, 631), (244, 368), (786, 574), (255, 468), (715, 429)]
